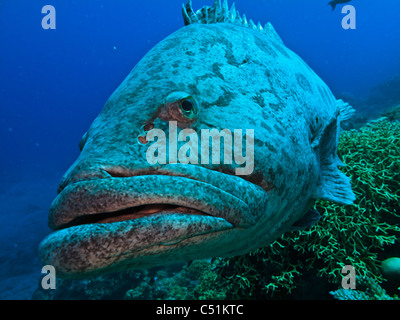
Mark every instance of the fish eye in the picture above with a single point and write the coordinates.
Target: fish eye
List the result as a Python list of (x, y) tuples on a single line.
[(183, 103), (187, 105), (188, 108)]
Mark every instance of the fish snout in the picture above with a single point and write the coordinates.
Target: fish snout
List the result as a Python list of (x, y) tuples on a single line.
[(77, 173)]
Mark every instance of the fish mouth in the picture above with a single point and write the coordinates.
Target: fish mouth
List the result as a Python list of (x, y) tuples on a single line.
[(117, 199), (110, 224), (131, 213)]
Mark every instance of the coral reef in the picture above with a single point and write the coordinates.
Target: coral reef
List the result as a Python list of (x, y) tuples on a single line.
[(392, 113), (382, 100), (367, 289), (109, 286), (197, 280), (385, 94)]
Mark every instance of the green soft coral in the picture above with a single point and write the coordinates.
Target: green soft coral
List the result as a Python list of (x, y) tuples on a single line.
[(345, 235)]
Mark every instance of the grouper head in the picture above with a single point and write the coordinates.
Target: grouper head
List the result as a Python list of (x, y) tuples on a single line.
[(150, 188)]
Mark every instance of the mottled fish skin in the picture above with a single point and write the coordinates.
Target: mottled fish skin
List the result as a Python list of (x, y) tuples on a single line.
[(242, 76)]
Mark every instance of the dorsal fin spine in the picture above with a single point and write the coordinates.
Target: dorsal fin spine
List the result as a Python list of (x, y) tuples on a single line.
[(221, 13), (232, 13)]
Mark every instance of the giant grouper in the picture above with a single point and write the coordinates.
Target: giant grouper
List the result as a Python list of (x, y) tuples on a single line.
[(117, 210)]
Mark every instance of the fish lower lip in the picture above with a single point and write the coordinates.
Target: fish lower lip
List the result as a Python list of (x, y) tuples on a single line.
[(91, 199), (90, 249)]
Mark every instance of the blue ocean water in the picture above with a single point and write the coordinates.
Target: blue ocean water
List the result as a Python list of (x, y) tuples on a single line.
[(53, 83)]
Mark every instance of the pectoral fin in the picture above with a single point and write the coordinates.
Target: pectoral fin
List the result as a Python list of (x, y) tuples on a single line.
[(334, 185)]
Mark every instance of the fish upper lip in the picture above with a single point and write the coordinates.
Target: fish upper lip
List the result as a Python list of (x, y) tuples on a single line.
[(122, 191)]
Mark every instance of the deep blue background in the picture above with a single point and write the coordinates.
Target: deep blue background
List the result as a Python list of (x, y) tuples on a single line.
[(53, 83)]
